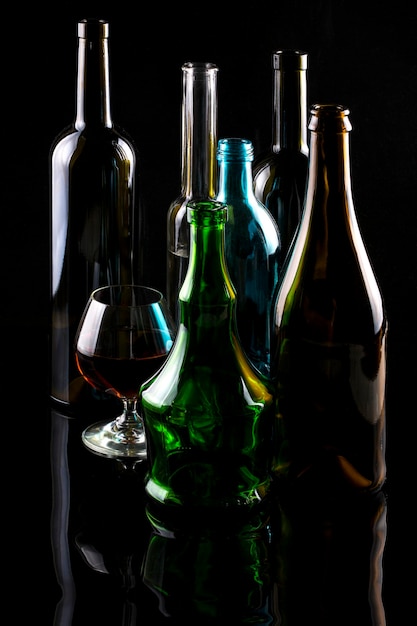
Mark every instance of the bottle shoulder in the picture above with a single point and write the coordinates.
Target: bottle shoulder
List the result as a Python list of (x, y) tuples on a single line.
[(251, 215), (114, 135), (334, 290), (197, 378), (101, 143)]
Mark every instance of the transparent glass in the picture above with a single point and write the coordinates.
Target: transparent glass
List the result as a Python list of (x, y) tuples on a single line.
[(96, 217), (329, 330), (252, 246), (280, 174), (208, 415), (198, 167), (123, 338)]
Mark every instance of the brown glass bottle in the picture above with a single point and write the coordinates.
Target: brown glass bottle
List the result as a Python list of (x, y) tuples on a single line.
[(330, 331), (96, 225)]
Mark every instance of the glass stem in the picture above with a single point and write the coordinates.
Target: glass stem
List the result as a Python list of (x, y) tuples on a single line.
[(129, 420)]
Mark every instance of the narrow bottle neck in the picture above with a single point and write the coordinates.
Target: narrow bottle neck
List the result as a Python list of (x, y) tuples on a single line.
[(329, 175), (199, 130), (207, 282), (235, 156), (235, 180), (290, 111), (93, 90)]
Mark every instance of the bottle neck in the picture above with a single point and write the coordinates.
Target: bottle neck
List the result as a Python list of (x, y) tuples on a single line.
[(199, 130), (329, 181), (290, 102), (235, 158), (207, 282), (93, 82)]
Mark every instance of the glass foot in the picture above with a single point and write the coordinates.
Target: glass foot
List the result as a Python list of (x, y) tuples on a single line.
[(106, 439)]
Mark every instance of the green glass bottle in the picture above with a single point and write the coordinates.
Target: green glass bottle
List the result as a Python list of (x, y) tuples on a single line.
[(330, 332), (208, 414)]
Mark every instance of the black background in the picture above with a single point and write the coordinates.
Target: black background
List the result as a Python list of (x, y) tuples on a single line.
[(362, 55)]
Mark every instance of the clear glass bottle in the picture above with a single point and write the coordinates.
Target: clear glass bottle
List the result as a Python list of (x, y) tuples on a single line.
[(198, 168), (330, 329), (96, 222), (252, 249), (280, 174), (208, 415)]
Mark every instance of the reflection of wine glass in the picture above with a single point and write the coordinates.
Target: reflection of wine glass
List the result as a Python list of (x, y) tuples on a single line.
[(124, 336)]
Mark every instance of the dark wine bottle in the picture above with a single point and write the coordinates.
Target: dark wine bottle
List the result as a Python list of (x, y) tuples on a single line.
[(198, 168), (208, 414), (252, 249), (280, 174), (96, 221), (330, 329)]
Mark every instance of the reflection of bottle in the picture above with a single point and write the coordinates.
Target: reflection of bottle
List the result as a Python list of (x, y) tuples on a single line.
[(61, 501), (96, 229), (327, 559), (207, 414), (252, 249), (210, 575), (330, 328), (98, 539), (198, 170), (280, 175)]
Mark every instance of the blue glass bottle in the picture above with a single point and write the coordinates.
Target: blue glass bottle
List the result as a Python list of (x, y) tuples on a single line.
[(252, 249)]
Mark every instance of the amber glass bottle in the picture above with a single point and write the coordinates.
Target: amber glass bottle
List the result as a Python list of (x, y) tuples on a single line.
[(330, 331)]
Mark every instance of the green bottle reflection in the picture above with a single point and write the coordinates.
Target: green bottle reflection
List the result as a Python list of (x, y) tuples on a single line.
[(213, 575), (208, 413)]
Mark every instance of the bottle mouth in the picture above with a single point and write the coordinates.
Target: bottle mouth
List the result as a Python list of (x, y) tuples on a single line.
[(235, 149), (329, 117), (290, 60), (199, 67), (92, 28), (206, 213)]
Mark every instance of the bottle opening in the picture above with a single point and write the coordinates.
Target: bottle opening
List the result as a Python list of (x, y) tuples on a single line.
[(290, 60), (332, 117), (206, 213), (235, 149), (92, 28)]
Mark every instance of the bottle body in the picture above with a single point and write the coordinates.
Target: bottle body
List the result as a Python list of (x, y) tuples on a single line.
[(96, 226), (198, 168), (207, 414), (252, 245), (280, 175), (330, 332)]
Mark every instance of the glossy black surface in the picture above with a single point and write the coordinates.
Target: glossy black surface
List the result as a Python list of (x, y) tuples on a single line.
[(311, 560)]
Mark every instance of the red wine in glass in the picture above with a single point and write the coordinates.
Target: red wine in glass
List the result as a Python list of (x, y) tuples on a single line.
[(123, 338)]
